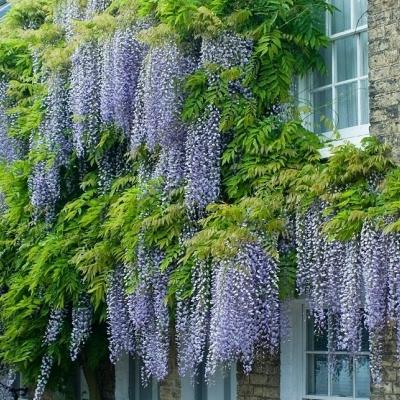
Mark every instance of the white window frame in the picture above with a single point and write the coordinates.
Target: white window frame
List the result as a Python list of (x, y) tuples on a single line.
[(294, 352), (305, 88)]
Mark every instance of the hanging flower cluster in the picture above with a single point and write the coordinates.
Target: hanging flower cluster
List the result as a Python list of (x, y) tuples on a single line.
[(349, 284), (44, 182), (96, 6), (375, 260), (245, 310), (82, 317), (204, 144), (56, 320), (53, 329), (158, 101), (122, 59), (44, 189), (156, 121), (65, 13), (226, 50), (149, 314), (58, 120), (203, 151), (120, 328), (85, 96), (7, 378), (44, 375), (193, 322)]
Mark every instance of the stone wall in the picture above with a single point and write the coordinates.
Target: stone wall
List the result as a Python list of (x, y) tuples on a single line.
[(384, 65), (262, 383), (389, 388), (384, 78)]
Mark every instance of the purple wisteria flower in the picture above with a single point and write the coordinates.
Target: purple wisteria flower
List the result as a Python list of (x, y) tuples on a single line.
[(85, 96), (157, 109), (44, 375), (54, 326), (204, 144), (245, 309), (159, 100), (82, 318), (44, 182), (53, 330), (193, 322), (120, 329), (44, 188), (203, 152), (95, 6), (227, 50), (149, 314), (350, 285), (7, 378), (375, 280), (122, 59), (65, 13)]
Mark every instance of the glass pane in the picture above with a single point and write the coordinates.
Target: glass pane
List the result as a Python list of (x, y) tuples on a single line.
[(346, 58), (201, 386), (364, 106), (322, 105), (362, 377), (361, 13), (342, 379), (341, 19), (316, 341), (326, 78), (317, 374), (347, 105), (364, 53), (146, 392)]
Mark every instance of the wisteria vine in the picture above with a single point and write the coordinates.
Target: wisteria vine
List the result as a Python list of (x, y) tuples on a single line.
[(51, 335), (349, 285), (245, 310), (120, 103), (120, 328), (149, 314), (82, 318)]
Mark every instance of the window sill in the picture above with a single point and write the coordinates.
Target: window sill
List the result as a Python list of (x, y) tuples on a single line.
[(349, 135)]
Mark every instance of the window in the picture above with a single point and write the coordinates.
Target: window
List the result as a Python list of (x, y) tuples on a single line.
[(222, 386), (128, 382), (304, 364), (4, 7), (339, 98), (350, 378), (137, 391)]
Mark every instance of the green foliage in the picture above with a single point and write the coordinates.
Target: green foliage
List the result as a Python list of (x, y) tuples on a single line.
[(271, 166), (350, 184), (27, 14)]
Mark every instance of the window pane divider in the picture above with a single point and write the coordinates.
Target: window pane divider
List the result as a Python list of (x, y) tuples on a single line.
[(348, 32), (352, 80), (321, 88)]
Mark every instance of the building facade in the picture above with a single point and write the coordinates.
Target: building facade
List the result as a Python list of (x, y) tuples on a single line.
[(358, 96)]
